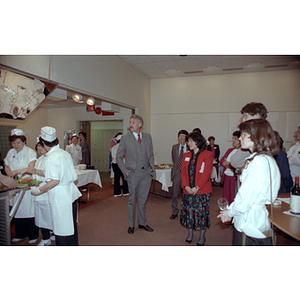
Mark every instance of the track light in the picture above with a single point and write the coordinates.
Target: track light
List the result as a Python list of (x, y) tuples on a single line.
[(90, 101), (77, 98)]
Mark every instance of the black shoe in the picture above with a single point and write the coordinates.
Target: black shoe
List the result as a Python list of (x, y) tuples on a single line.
[(131, 230), (173, 216), (200, 244), (188, 241), (146, 227)]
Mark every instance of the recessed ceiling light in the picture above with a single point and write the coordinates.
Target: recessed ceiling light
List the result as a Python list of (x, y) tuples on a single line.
[(254, 64), (171, 71)]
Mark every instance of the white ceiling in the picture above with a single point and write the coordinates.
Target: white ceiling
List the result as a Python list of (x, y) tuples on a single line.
[(159, 66), (170, 66)]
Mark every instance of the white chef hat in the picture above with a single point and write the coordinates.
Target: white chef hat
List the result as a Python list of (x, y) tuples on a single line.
[(17, 132), (48, 133), (75, 134), (118, 137)]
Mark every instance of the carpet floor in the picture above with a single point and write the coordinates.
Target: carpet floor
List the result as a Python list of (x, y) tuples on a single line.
[(105, 223)]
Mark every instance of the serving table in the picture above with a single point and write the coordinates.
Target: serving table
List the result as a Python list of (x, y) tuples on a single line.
[(162, 184), (6, 214), (88, 176), (287, 223)]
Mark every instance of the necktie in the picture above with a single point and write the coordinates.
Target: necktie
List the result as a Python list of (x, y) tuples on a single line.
[(179, 162), (139, 138)]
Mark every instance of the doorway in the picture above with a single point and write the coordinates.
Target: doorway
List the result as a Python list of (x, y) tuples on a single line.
[(101, 134)]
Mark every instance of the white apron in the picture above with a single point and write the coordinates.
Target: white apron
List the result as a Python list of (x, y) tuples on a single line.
[(42, 211), (17, 161), (59, 166)]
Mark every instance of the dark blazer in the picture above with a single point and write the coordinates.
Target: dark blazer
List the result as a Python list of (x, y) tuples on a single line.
[(202, 173), (85, 149), (217, 151), (284, 168), (127, 148)]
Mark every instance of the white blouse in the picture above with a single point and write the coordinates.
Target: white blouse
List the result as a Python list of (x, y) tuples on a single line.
[(254, 193)]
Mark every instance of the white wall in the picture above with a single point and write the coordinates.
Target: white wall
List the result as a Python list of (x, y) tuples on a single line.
[(207, 101)]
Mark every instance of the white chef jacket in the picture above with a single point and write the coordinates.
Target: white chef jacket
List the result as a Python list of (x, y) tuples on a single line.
[(42, 213), (76, 153), (17, 161), (254, 193), (58, 166), (294, 160)]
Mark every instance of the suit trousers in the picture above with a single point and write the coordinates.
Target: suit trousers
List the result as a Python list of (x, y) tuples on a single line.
[(139, 185), (176, 192)]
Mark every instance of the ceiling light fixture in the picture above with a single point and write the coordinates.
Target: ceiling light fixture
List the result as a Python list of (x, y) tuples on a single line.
[(171, 71), (90, 101), (77, 98), (254, 64)]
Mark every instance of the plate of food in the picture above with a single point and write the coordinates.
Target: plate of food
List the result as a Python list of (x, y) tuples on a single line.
[(27, 181)]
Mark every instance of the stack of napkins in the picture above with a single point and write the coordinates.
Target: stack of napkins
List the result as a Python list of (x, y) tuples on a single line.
[(286, 200)]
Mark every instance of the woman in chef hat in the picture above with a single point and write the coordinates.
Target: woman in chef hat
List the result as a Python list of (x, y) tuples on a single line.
[(17, 161), (63, 194)]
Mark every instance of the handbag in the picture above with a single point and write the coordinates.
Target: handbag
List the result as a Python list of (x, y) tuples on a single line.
[(270, 232)]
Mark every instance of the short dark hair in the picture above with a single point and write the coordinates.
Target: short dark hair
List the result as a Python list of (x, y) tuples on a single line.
[(254, 108), (83, 133), (237, 133), (199, 139), (211, 137), (262, 135), (182, 131), (48, 144), (197, 130), (14, 137), (38, 143)]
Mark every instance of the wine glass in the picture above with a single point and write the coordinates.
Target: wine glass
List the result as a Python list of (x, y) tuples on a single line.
[(223, 203)]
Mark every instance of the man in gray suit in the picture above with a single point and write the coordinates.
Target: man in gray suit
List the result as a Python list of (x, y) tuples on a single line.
[(138, 170), (177, 154)]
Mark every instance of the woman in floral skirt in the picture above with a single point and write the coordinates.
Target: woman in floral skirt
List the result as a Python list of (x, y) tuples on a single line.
[(196, 169)]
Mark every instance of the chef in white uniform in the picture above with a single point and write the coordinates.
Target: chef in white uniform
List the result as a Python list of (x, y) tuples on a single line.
[(75, 150), (17, 161), (42, 213), (63, 194)]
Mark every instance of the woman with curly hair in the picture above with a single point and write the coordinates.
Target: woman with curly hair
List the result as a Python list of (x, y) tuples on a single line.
[(195, 180), (260, 184)]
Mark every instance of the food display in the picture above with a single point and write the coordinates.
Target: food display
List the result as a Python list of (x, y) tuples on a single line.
[(28, 181), (164, 166)]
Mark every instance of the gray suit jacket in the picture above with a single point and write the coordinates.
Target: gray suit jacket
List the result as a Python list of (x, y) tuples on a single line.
[(128, 148)]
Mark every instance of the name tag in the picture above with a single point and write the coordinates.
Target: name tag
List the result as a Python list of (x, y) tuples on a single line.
[(187, 159), (202, 168)]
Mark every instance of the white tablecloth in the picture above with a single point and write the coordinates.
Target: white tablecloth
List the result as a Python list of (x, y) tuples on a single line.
[(164, 177), (88, 176)]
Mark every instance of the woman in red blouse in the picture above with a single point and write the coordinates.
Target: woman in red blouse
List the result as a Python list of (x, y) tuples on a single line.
[(195, 180)]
